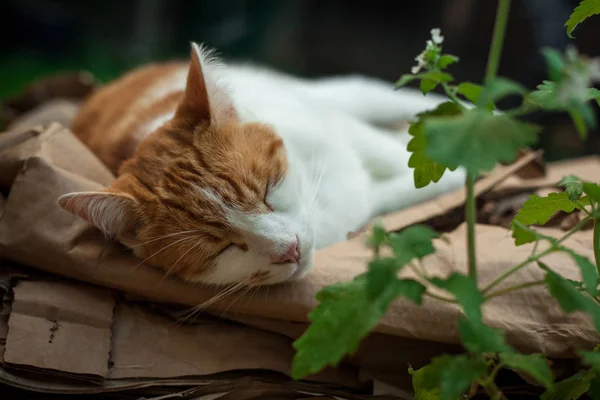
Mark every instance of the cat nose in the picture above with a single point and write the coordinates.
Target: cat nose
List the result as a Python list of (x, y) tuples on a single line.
[(291, 255)]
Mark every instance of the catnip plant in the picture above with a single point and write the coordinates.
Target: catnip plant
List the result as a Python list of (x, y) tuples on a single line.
[(450, 136)]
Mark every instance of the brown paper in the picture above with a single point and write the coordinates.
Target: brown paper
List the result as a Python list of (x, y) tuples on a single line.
[(68, 330), (50, 239), (60, 327)]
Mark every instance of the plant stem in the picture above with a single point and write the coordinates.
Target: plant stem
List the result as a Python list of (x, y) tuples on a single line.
[(535, 257), (514, 288), (492, 390), (576, 228), (497, 39), (597, 242), (441, 298), (490, 73), (471, 216), (517, 267), (452, 96)]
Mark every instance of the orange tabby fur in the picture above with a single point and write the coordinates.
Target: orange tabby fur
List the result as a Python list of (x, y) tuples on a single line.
[(159, 175)]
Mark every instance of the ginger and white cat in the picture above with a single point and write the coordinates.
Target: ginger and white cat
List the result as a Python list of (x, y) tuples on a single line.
[(236, 174)]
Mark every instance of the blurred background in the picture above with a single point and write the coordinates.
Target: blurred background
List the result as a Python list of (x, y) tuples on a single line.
[(304, 37)]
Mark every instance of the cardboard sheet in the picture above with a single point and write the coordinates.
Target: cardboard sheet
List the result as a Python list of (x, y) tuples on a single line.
[(136, 348), (50, 239)]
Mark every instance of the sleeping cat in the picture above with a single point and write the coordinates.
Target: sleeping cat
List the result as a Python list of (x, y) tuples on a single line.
[(236, 174)]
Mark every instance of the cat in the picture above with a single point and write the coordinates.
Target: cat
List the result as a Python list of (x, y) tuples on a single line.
[(237, 174)]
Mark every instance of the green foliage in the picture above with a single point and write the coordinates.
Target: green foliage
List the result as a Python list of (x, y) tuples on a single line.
[(425, 169), (476, 140), (534, 365), (433, 77), (422, 383), (571, 388), (470, 90), (539, 210), (569, 298), (589, 273), (592, 190), (498, 88), (345, 315), (573, 186), (466, 292), (450, 376), (480, 338), (446, 60), (414, 242), (569, 89), (449, 136), (586, 9), (591, 358)]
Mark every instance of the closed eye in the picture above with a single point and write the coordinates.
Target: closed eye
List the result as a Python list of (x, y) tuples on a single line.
[(265, 199), (241, 246)]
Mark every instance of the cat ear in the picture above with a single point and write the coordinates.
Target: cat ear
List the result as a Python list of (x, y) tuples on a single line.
[(112, 213), (204, 99)]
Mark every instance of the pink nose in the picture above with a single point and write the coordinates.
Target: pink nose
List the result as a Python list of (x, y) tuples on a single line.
[(291, 255)]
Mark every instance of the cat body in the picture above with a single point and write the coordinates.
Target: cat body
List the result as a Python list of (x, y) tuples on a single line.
[(236, 174)]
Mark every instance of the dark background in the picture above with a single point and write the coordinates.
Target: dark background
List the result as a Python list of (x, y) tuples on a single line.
[(305, 37)]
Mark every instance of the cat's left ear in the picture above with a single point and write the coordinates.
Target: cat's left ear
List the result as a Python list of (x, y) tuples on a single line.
[(112, 213), (204, 99)]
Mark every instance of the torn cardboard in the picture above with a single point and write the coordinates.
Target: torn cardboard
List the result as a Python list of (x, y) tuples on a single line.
[(34, 231), (80, 335), (50, 239)]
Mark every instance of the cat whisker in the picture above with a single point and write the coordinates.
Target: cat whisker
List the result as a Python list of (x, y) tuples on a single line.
[(318, 192), (164, 237), (164, 248), (193, 246), (190, 313)]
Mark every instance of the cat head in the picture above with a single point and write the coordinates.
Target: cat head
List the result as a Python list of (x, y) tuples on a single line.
[(206, 197)]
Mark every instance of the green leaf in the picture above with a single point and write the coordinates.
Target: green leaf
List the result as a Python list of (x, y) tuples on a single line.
[(584, 10), (435, 76), (450, 375), (378, 237), (594, 392), (498, 88), (555, 63), (571, 388), (406, 79), (465, 291), (476, 140), (413, 242), (592, 190), (381, 272), (522, 234), (479, 338), (534, 365), (579, 122), (422, 392), (425, 169), (589, 273), (569, 298), (344, 316), (410, 289), (573, 186), (470, 90), (446, 60), (539, 210), (427, 85), (547, 96), (591, 358)]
